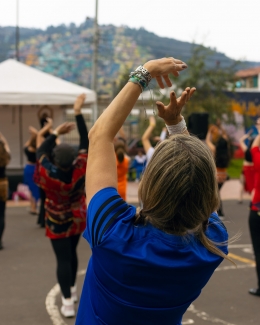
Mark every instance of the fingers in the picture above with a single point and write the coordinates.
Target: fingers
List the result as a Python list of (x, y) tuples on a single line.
[(161, 108), (183, 98), (167, 80), (173, 99), (160, 82)]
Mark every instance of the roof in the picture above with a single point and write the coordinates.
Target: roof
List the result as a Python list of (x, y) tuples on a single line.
[(24, 85), (248, 72)]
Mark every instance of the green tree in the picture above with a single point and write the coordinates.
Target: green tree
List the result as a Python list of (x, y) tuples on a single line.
[(212, 82)]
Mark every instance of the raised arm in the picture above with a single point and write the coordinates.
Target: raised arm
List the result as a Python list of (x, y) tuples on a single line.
[(48, 144), (81, 125), (256, 142), (209, 143), (33, 135), (6, 145), (40, 135), (242, 142), (147, 134), (101, 171)]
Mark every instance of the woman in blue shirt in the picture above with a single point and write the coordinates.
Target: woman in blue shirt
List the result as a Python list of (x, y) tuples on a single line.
[(148, 267)]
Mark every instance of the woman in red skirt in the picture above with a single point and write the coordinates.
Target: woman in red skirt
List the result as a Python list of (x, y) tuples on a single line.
[(248, 173)]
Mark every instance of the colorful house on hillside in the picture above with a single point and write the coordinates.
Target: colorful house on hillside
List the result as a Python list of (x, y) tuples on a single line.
[(246, 99)]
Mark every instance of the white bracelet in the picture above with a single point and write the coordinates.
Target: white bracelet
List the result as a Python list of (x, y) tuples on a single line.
[(177, 128)]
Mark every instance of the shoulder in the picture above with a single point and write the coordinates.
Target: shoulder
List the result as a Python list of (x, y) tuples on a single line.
[(105, 210), (217, 232)]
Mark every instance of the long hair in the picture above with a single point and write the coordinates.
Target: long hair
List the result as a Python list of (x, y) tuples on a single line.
[(4, 155), (222, 153), (179, 189)]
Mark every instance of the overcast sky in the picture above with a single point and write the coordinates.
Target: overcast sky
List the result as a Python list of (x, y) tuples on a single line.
[(231, 26)]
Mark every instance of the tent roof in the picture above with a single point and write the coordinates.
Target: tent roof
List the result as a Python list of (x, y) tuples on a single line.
[(23, 85)]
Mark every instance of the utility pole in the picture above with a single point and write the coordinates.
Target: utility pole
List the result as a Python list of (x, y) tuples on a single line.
[(17, 37), (95, 61)]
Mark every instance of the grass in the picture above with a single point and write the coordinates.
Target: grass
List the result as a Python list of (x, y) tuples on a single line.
[(235, 168)]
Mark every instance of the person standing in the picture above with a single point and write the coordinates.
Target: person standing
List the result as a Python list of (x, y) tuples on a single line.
[(29, 169), (147, 267), (254, 218), (248, 172), (220, 150), (5, 157), (63, 182)]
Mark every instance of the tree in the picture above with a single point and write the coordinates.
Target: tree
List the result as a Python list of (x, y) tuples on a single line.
[(211, 82)]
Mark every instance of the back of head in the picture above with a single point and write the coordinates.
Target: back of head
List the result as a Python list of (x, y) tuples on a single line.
[(120, 150), (179, 188), (64, 155)]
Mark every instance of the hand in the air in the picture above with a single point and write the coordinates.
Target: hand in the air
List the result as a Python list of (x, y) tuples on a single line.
[(79, 103), (172, 112), (65, 127), (161, 68)]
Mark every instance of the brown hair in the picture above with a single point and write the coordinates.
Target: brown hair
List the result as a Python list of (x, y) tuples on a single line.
[(120, 150), (4, 155), (179, 189)]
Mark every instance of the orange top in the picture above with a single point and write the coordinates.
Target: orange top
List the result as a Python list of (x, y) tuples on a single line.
[(122, 170)]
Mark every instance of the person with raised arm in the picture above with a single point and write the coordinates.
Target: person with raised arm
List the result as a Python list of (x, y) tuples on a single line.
[(254, 219), (247, 177), (63, 181), (29, 169), (5, 157), (148, 267)]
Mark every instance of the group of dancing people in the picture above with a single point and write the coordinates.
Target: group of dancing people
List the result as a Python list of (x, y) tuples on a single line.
[(147, 265)]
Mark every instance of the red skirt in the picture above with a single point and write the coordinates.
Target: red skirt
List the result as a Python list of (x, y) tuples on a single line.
[(249, 175)]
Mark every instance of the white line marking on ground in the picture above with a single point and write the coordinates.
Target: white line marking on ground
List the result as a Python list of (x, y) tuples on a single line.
[(187, 321), (52, 308), (240, 246), (205, 316), (248, 250)]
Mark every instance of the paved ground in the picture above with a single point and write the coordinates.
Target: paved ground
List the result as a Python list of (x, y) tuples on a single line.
[(29, 294)]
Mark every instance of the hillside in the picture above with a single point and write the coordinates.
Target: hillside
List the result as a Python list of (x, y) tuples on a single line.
[(66, 51)]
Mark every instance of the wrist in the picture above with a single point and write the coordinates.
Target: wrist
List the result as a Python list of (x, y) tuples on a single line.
[(174, 121), (178, 128), (55, 132)]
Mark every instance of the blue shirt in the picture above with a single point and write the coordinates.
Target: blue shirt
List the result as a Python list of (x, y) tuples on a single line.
[(139, 274)]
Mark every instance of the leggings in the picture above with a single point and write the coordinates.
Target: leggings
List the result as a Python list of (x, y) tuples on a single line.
[(254, 227), (2, 219), (67, 262), (41, 217), (220, 209)]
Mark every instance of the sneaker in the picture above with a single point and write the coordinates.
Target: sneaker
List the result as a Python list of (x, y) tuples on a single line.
[(74, 295), (67, 308)]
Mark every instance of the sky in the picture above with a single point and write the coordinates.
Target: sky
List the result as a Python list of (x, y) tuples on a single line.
[(230, 26)]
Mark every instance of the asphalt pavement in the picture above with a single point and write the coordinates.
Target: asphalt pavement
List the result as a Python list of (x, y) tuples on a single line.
[(29, 293)]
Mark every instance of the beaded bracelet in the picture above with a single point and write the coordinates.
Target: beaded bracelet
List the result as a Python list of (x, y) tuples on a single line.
[(140, 76), (177, 128)]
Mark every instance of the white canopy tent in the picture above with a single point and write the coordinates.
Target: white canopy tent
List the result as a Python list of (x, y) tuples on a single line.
[(23, 85), (23, 91)]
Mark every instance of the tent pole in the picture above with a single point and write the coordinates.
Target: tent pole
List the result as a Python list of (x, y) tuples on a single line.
[(21, 135), (17, 39)]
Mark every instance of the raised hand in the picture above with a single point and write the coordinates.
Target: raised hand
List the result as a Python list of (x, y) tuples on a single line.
[(152, 121), (161, 68), (65, 128), (79, 103), (172, 112), (33, 131)]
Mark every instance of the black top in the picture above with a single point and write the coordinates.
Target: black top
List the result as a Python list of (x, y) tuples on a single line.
[(2, 172), (31, 156), (48, 145)]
